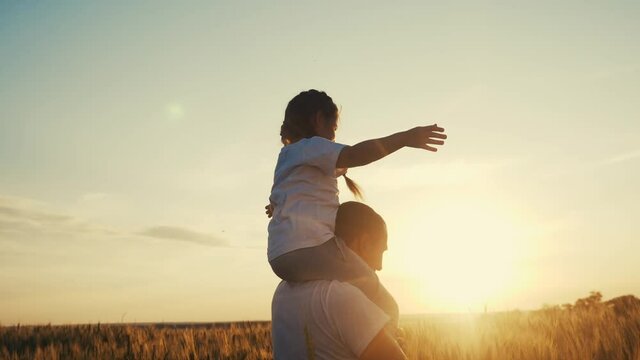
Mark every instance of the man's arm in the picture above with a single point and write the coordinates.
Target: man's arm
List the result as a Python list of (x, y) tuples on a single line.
[(372, 150), (360, 324), (383, 347)]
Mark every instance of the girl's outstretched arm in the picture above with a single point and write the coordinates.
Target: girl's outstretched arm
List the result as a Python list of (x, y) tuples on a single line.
[(368, 151)]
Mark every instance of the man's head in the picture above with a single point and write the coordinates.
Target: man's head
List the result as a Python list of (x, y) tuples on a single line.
[(364, 232)]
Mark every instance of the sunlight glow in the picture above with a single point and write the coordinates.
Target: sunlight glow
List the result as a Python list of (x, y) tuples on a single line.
[(463, 257)]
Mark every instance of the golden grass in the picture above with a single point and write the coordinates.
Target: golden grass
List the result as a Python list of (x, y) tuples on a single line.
[(589, 330), (553, 334), (251, 340)]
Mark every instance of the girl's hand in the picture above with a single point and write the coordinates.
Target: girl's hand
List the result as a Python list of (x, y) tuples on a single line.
[(269, 210), (423, 136)]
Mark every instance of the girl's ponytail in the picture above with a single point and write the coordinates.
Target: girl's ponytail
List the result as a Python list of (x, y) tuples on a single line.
[(353, 187)]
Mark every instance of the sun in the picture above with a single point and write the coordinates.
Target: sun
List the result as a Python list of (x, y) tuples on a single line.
[(464, 257)]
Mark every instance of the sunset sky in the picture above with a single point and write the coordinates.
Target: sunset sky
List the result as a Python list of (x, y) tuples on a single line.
[(138, 142)]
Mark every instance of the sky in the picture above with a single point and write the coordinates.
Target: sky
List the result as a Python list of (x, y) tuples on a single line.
[(138, 142)]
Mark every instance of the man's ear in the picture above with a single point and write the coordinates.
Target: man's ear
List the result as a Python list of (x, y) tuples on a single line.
[(362, 241), (356, 244)]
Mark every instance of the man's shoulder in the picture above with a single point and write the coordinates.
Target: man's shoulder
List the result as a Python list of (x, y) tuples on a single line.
[(330, 297), (313, 285), (342, 296), (286, 288), (328, 290), (334, 287)]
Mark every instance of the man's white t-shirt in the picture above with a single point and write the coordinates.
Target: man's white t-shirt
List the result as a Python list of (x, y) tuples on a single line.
[(332, 319), (304, 195)]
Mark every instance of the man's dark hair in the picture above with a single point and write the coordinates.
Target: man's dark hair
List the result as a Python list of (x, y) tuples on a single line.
[(355, 218)]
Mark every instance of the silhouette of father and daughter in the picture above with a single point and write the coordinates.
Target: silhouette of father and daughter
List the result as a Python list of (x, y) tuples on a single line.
[(330, 304)]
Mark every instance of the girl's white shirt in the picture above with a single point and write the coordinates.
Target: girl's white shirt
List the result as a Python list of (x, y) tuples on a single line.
[(304, 195)]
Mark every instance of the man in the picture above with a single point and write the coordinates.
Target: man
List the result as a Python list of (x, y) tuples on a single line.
[(334, 320)]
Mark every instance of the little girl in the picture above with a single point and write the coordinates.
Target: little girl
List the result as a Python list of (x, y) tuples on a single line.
[(304, 197)]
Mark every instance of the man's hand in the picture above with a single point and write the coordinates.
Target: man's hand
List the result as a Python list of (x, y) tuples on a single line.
[(269, 210), (423, 136), (400, 336)]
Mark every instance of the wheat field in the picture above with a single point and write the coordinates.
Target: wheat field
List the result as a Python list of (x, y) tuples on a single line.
[(590, 329)]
